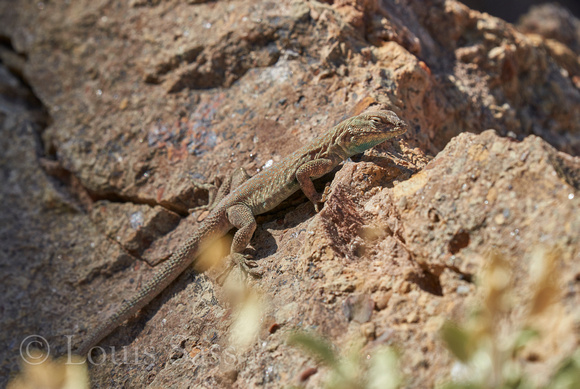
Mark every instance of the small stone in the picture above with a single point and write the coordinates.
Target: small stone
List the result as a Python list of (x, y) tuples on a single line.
[(368, 330), (462, 289), (382, 300), (307, 373), (124, 103), (358, 308), (176, 354), (229, 376), (194, 351), (499, 219), (412, 317), (273, 328), (405, 287), (491, 195), (402, 202)]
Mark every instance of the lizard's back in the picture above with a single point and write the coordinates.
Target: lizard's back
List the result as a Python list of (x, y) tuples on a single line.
[(271, 186)]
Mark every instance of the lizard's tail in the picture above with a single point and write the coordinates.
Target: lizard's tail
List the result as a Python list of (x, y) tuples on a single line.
[(175, 265)]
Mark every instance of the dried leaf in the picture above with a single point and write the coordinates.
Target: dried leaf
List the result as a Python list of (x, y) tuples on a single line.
[(544, 274)]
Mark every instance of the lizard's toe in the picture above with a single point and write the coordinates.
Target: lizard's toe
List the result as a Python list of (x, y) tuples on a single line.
[(244, 262), (249, 266), (198, 208)]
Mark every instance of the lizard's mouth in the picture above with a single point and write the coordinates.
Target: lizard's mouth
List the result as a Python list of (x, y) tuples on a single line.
[(398, 130)]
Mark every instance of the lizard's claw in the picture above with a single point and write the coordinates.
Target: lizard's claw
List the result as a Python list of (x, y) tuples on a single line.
[(198, 208), (246, 264), (325, 194), (321, 199)]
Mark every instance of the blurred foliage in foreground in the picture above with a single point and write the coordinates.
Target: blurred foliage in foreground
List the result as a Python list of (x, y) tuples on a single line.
[(51, 374), (489, 344), (356, 370)]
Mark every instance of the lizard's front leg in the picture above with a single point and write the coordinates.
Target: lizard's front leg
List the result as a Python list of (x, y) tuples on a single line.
[(241, 217), (312, 170)]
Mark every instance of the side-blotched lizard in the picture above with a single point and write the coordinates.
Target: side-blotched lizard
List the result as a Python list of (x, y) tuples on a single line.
[(257, 195)]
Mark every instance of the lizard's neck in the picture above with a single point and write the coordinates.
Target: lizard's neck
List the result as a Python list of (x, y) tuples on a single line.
[(338, 150)]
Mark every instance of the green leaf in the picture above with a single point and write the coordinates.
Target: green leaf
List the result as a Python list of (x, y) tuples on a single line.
[(384, 371), (315, 345), (568, 375), (458, 341), (462, 385), (524, 337)]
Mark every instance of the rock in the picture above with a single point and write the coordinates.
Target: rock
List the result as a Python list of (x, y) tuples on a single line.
[(132, 108), (133, 226), (358, 308), (552, 21)]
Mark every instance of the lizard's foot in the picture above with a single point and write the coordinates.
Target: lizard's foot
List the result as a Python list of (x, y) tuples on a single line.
[(212, 194), (321, 199), (211, 190), (326, 193), (246, 264)]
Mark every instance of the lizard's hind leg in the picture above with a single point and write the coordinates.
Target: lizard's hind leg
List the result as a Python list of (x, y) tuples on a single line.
[(241, 217)]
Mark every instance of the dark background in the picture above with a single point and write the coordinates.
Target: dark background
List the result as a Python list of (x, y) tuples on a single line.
[(510, 10)]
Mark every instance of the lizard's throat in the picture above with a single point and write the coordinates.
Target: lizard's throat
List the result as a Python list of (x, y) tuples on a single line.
[(362, 147)]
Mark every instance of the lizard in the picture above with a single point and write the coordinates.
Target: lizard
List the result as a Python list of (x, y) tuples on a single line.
[(259, 194)]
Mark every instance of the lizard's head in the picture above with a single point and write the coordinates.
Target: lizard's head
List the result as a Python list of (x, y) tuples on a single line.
[(369, 129)]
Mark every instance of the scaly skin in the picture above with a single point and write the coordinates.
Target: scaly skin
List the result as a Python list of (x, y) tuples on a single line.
[(257, 195)]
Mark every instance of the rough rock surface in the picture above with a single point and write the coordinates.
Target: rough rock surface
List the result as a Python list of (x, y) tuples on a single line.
[(115, 116)]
